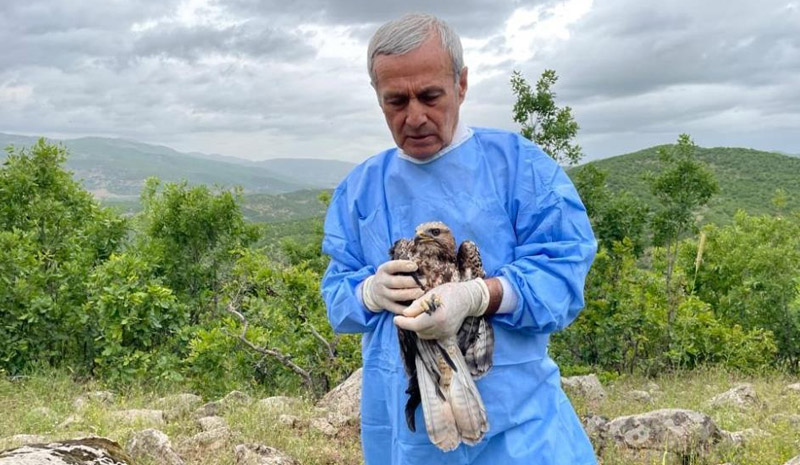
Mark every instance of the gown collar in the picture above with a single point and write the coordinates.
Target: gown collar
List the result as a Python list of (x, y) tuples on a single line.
[(461, 135)]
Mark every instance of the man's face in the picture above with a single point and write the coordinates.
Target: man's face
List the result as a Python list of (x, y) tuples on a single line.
[(420, 98)]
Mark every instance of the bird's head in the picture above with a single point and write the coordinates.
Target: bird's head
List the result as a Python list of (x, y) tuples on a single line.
[(435, 236)]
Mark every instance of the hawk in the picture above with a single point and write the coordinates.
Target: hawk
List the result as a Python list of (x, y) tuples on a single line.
[(441, 372)]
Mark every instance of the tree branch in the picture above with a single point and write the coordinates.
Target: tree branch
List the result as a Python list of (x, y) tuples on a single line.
[(281, 357)]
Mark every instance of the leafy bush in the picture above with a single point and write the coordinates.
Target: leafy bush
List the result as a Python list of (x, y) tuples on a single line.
[(130, 315), (53, 233), (749, 276)]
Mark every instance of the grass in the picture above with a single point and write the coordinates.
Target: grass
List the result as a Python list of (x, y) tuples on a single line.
[(253, 423)]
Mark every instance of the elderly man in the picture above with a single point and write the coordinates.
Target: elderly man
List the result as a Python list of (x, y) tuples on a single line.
[(492, 187)]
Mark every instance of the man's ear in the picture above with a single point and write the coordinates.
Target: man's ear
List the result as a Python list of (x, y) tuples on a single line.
[(462, 84)]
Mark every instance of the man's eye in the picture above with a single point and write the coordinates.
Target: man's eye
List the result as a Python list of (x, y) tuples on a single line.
[(397, 102), (429, 98), (435, 232)]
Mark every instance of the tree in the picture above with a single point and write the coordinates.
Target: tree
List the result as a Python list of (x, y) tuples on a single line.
[(684, 185), (551, 127), (52, 234), (190, 233)]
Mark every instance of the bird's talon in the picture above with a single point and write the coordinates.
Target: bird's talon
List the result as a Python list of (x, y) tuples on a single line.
[(430, 305)]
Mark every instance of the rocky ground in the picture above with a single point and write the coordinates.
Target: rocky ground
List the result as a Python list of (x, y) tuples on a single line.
[(704, 417)]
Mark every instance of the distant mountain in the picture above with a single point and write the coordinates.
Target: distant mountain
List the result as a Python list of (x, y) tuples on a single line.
[(325, 173), (747, 178), (116, 168)]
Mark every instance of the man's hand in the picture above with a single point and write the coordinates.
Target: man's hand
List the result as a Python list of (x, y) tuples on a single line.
[(441, 311), (387, 289)]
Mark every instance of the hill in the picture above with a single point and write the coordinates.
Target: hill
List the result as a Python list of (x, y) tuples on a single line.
[(747, 178), (115, 169)]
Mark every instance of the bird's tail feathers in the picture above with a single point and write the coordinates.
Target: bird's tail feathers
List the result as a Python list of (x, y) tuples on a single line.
[(437, 411)]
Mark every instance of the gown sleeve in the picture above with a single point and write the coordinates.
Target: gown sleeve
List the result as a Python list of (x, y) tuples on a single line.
[(347, 268), (555, 246)]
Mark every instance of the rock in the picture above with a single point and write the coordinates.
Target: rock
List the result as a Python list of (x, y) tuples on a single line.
[(259, 454), (794, 461), (588, 387), (291, 421), (345, 399), (210, 409), (641, 396), (741, 396), (681, 431), (84, 451), (739, 438), (210, 423), (139, 416), (177, 405), (71, 421), (207, 441), (279, 403), (235, 398), (792, 388), (791, 418), (596, 428), (323, 426), (652, 387), (153, 445), (97, 397)]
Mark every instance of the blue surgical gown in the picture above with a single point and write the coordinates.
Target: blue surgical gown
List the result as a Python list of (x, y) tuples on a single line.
[(502, 192)]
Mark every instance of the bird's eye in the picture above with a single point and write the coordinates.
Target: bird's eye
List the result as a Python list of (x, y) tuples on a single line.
[(435, 232)]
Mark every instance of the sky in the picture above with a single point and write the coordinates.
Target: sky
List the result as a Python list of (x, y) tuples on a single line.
[(262, 79)]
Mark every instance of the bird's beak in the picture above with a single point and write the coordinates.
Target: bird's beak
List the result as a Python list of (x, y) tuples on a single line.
[(422, 237)]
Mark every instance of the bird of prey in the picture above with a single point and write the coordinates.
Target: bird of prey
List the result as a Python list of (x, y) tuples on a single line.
[(441, 372)]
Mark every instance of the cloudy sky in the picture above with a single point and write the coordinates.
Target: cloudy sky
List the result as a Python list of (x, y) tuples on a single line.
[(263, 78)]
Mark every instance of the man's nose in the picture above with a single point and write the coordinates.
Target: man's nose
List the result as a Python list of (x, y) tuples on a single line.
[(417, 114)]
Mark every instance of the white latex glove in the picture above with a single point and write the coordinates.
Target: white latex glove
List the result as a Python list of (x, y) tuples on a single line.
[(386, 289), (441, 311)]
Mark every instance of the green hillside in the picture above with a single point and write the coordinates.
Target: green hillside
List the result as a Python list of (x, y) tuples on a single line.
[(115, 169), (747, 178), (259, 208)]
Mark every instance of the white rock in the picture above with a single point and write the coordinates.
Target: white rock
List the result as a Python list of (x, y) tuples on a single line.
[(684, 430), (207, 441), (209, 409), (259, 454), (793, 388), (83, 451), (279, 403), (588, 387), (345, 399), (234, 398), (794, 461), (153, 445), (741, 396), (210, 423), (641, 396), (323, 426)]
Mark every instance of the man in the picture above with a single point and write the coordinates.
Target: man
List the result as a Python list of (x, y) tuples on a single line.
[(492, 187)]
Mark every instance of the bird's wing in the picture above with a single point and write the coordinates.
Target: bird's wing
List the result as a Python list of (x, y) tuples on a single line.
[(469, 261), (476, 335), (476, 342)]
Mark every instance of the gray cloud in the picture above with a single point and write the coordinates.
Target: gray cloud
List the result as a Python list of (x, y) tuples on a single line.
[(266, 78)]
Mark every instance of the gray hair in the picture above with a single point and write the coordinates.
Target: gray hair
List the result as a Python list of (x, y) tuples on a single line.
[(409, 32)]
